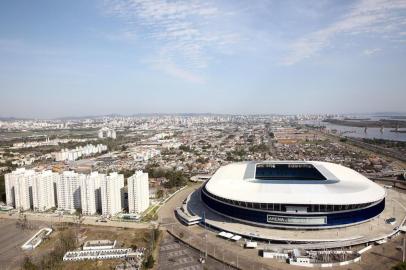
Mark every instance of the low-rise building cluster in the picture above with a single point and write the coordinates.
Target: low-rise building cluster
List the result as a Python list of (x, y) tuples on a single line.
[(46, 142), (80, 151), (144, 153), (107, 250)]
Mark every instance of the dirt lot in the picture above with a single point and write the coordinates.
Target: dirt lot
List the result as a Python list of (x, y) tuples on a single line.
[(125, 238), (11, 239), (381, 257)]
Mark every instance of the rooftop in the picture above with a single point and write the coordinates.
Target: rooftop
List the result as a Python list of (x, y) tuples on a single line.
[(332, 184)]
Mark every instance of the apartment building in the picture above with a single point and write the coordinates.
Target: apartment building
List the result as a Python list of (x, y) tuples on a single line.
[(18, 188), (90, 192), (138, 192), (68, 192), (43, 193), (112, 194)]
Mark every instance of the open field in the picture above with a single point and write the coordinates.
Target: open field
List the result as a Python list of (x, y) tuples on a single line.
[(11, 239), (12, 135)]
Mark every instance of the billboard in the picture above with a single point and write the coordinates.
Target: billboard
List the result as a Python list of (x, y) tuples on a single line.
[(297, 220)]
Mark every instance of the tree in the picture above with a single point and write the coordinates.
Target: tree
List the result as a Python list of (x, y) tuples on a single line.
[(22, 222), (78, 212), (149, 263), (202, 160), (28, 264), (259, 148), (127, 173), (175, 179), (401, 177), (160, 193), (400, 266), (185, 148), (2, 189)]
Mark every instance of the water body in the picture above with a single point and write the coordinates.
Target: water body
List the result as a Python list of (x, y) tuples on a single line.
[(359, 132)]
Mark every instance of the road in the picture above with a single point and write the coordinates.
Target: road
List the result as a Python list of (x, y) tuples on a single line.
[(231, 253), (52, 218)]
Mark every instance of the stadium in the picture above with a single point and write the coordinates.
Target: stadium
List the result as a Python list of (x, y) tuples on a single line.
[(293, 194)]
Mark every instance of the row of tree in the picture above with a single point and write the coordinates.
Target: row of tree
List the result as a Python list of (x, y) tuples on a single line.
[(174, 178)]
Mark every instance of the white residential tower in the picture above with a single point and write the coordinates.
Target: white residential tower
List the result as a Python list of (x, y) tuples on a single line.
[(138, 192), (112, 194)]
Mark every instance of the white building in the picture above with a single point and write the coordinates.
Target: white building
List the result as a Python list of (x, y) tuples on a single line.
[(18, 188), (90, 192), (107, 132), (99, 244), (94, 193), (100, 134), (104, 254), (138, 192), (78, 152), (145, 153), (111, 194), (68, 191), (43, 194)]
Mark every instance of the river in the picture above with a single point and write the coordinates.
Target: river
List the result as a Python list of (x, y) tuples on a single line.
[(358, 132)]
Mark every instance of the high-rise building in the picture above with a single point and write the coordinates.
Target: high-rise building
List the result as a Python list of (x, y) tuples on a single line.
[(113, 134), (138, 192), (18, 188), (100, 134), (106, 132), (90, 192), (68, 192), (43, 194), (111, 194)]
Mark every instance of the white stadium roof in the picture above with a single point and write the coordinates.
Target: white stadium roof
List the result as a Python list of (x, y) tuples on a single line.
[(237, 181)]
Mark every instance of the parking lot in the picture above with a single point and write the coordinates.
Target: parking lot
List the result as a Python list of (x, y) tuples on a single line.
[(174, 255)]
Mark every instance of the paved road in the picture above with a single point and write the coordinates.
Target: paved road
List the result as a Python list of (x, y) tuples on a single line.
[(166, 212), (51, 218), (232, 253)]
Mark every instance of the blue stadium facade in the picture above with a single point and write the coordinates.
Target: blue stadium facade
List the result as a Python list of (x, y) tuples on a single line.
[(334, 216), (293, 194)]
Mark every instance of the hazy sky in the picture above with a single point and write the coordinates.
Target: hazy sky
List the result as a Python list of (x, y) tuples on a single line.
[(70, 58)]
